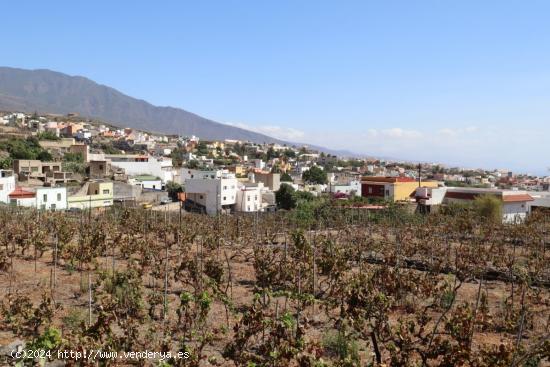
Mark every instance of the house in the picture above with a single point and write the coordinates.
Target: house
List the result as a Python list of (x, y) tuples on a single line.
[(190, 173), (135, 164), (33, 168), (258, 163), (270, 180), (62, 143), (82, 149), (100, 169), (147, 182), (351, 189), (249, 198), (392, 188), (238, 170), (7, 185), (515, 204), (83, 134), (211, 195), (21, 197), (541, 201), (51, 198), (92, 195)]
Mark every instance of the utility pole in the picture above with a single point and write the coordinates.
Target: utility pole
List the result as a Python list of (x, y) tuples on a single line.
[(419, 174)]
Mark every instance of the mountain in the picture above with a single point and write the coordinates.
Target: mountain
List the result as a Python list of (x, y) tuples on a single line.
[(46, 91)]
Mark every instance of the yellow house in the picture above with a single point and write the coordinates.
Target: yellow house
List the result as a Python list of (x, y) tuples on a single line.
[(95, 195), (392, 188)]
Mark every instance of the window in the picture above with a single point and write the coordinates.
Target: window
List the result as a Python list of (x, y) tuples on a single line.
[(225, 187), (370, 190), (45, 197), (224, 198), (1, 187), (106, 191), (255, 197), (52, 207), (387, 192), (248, 198), (200, 197), (58, 196)]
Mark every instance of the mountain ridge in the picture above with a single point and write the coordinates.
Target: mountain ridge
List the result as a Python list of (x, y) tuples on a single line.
[(53, 92)]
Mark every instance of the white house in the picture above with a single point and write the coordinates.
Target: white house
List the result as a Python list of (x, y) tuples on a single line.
[(146, 182), (21, 197), (7, 185), (83, 134), (135, 165), (353, 188), (249, 198), (211, 195), (51, 198), (258, 163), (189, 173)]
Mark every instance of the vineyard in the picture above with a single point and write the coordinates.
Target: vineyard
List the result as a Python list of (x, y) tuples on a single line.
[(347, 287)]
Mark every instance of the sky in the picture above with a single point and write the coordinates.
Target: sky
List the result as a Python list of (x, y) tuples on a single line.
[(465, 83)]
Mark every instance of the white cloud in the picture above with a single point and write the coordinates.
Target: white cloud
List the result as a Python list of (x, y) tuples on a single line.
[(395, 133), (460, 131), (279, 132)]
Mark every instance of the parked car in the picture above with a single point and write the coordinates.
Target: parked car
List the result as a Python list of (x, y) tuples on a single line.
[(165, 200)]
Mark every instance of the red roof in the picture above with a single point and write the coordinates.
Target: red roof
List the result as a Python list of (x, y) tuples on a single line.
[(19, 193), (517, 198)]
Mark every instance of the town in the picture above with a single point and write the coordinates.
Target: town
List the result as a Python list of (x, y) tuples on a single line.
[(53, 162)]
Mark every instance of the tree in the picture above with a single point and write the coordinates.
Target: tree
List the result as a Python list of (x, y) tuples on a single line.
[(284, 197), (315, 175), (285, 177), (289, 153), (271, 153), (173, 188), (177, 157), (202, 149), (193, 164)]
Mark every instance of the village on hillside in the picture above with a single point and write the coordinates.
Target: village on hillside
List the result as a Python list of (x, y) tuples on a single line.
[(72, 163)]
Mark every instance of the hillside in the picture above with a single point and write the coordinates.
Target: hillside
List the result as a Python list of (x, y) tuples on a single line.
[(52, 92)]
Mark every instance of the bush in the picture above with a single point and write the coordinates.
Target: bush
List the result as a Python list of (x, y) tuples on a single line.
[(25, 149), (73, 157), (47, 135), (488, 208), (337, 344)]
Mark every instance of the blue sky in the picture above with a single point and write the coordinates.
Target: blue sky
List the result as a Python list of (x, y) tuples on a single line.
[(461, 82)]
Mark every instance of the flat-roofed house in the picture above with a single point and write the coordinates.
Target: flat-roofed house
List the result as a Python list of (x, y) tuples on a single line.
[(392, 188)]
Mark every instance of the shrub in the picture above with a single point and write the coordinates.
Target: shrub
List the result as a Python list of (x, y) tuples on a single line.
[(489, 208)]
